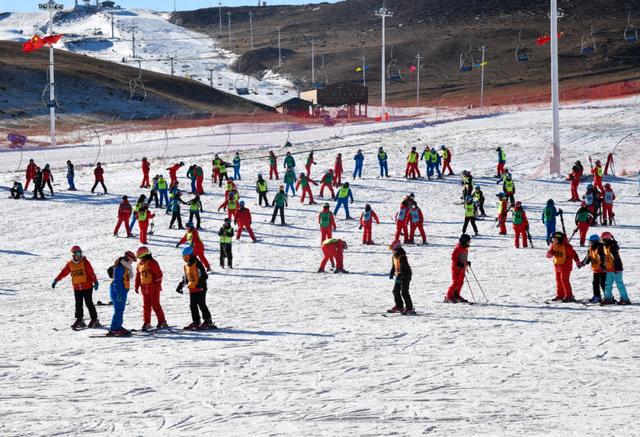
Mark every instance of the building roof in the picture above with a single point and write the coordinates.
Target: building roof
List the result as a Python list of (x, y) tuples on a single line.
[(295, 102), (338, 94)]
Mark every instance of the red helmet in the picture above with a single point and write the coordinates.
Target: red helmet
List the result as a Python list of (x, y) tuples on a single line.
[(518, 204), (395, 245), (607, 185), (142, 251), (75, 249), (606, 235), (598, 162), (130, 255), (583, 203)]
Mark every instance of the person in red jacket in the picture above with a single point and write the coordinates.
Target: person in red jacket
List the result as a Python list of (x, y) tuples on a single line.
[(337, 171), (416, 219), (30, 173), (309, 163), (574, 177), (273, 165), (146, 167), (173, 171), (47, 178), (84, 281), (149, 280), (520, 225), (597, 173), (327, 223), (98, 174), (503, 208), (124, 214), (562, 253), (402, 218), (230, 204), (366, 222), (327, 182), (199, 171), (243, 217), (304, 181), (143, 216), (607, 205), (333, 249), (192, 237), (459, 263)]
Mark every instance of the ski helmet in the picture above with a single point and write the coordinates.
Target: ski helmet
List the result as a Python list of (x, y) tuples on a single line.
[(594, 237), (550, 202), (589, 187), (75, 249), (227, 220), (189, 224), (518, 204), (598, 162), (344, 244), (468, 198), (500, 195), (464, 239), (477, 187), (442, 147), (606, 235), (367, 207), (607, 185), (411, 195), (181, 163), (559, 236), (259, 175), (325, 206), (241, 203), (395, 245), (130, 255), (498, 149), (125, 198), (143, 251), (187, 251)]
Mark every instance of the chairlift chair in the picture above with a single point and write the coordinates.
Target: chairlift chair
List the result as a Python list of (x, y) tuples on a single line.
[(394, 74), (466, 62), (137, 90), (242, 89), (521, 54), (320, 84), (588, 45), (630, 32)]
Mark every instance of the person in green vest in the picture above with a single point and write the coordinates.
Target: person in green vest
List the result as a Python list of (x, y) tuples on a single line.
[(195, 208), (236, 167), (446, 159), (304, 181), (191, 175), (469, 215), (382, 162), (262, 189), (163, 190), (520, 224), (327, 223), (467, 183), (289, 162), (215, 164), (502, 160), (327, 182), (343, 196), (426, 155), (290, 180), (273, 165), (136, 208), (583, 219), (279, 202), (226, 239)]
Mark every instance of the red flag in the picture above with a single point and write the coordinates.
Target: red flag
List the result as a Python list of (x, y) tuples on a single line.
[(546, 39), (51, 39), (36, 43)]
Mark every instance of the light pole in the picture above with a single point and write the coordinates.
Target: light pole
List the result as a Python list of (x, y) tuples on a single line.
[(251, 27), (364, 74), (52, 7), (229, 26), (554, 161), (220, 17), (383, 13), (483, 49), (279, 49), (313, 63), (419, 58)]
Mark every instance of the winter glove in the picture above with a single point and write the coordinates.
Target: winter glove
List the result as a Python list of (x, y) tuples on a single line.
[(179, 288), (469, 263), (53, 284), (177, 244), (460, 265), (137, 291), (360, 227), (96, 285)]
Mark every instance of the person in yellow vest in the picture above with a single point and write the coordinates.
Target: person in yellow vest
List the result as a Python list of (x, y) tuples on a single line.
[(262, 189), (562, 253), (469, 215), (120, 273), (446, 159), (84, 281), (595, 257), (195, 279), (509, 189), (412, 171), (226, 239)]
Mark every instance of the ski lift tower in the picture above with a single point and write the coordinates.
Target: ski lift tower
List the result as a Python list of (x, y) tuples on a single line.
[(383, 13), (52, 7), (554, 161)]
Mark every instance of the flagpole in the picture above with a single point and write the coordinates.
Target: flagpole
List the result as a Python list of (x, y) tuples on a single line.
[(52, 91)]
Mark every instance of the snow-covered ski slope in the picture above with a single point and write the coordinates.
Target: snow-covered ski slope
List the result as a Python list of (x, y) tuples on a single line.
[(88, 31), (311, 354)]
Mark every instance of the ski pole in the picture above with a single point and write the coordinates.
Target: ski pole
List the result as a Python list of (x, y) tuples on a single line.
[(479, 286), (470, 290)]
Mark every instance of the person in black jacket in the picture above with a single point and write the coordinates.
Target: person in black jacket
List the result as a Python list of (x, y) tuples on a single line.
[(17, 191), (38, 185), (71, 174), (613, 265), (401, 269), (195, 278)]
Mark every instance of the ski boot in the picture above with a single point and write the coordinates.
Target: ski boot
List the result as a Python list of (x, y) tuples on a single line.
[(595, 299), (608, 301), (320, 271), (569, 299), (340, 271), (557, 298), (624, 302), (122, 332), (408, 312), (162, 325), (146, 327), (94, 323), (395, 310), (78, 324), (208, 324), (447, 300), (461, 299), (192, 326)]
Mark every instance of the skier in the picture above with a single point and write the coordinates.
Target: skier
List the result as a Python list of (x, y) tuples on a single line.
[(124, 214), (327, 223), (597, 173), (478, 200), (469, 216), (226, 239), (192, 238), (562, 253), (230, 204), (426, 156), (153, 193), (84, 281), (273, 166), (30, 173), (590, 197), (446, 159), (289, 180), (191, 175), (279, 202), (47, 178), (613, 265), (434, 163), (290, 162), (401, 270), (402, 219), (509, 188), (149, 280), (382, 162), (467, 183), (574, 177), (146, 167), (236, 166), (337, 170), (502, 213), (366, 222), (595, 257), (309, 163), (607, 205), (520, 225), (304, 181), (199, 173), (17, 191), (359, 159), (412, 171), (333, 250), (174, 207), (70, 176), (343, 196), (120, 273), (416, 220), (144, 215), (243, 218), (459, 265), (136, 208), (163, 191), (98, 174), (38, 185), (582, 220), (195, 208), (327, 182), (173, 172), (262, 189), (502, 159), (549, 214), (195, 278)]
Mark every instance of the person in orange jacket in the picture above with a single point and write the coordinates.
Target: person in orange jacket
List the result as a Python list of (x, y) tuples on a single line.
[(337, 171), (304, 181), (143, 216), (333, 250), (243, 218), (98, 174), (149, 280), (520, 225), (562, 253), (401, 270), (124, 214), (327, 223), (366, 222), (84, 281), (607, 205), (459, 264), (402, 218), (173, 171), (146, 167), (416, 221), (192, 238), (597, 173), (30, 173)]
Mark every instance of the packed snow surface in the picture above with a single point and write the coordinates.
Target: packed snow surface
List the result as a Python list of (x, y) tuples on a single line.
[(302, 353)]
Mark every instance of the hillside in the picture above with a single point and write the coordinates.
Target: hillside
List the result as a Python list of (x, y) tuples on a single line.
[(438, 31)]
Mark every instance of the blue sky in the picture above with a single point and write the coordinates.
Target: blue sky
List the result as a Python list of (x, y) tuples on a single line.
[(165, 5)]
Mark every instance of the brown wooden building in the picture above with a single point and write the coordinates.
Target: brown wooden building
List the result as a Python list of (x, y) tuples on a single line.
[(352, 95)]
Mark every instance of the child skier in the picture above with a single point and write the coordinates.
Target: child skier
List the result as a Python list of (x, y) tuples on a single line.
[(446, 159), (279, 202), (47, 178), (607, 205), (173, 172), (502, 159), (574, 177), (359, 164), (595, 257), (273, 166), (290, 162), (337, 170), (149, 280), (401, 270), (366, 222), (236, 166), (613, 265), (509, 189), (382, 163), (243, 218), (333, 249), (136, 209), (469, 215), (327, 182), (174, 207), (343, 196), (84, 281), (310, 162), (289, 181), (262, 189), (192, 238), (562, 253), (459, 264), (416, 220), (412, 171), (520, 225), (597, 173), (146, 167), (98, 175), (120, 272), (226, 239), (71, 174), (327, 223), (549, 214), (30, 173), (478, 201), (17, 191), (304, 181), (124, 214), (195, 279), (402, 219), (195, 208), (503, 209), (582, 220), (143, 216)]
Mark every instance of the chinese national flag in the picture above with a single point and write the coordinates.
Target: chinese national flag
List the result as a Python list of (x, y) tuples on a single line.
[(37, 43)]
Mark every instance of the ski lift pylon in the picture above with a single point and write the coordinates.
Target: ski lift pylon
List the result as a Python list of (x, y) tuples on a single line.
[(137, 90)]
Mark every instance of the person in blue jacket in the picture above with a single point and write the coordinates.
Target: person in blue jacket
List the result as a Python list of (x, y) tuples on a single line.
[(359, 159), (121, 273), (342, 196), (382, 161), (71, 174), (549, 214), (236, 167)]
